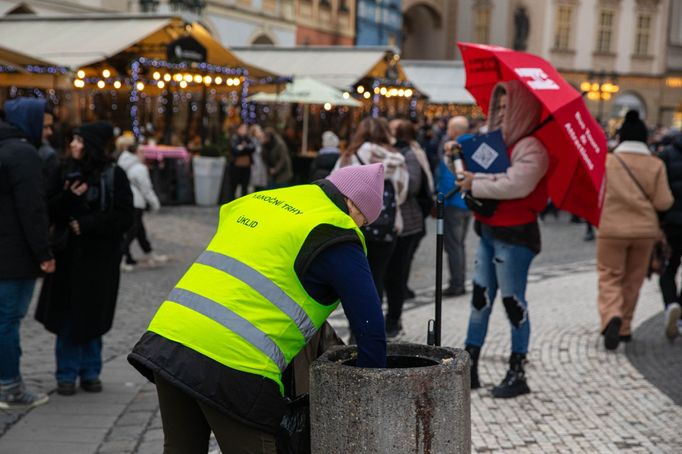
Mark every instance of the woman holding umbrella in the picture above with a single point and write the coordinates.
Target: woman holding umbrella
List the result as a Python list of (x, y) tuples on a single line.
[(510, 237)]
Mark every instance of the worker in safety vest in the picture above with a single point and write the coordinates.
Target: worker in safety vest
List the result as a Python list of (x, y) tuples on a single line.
[(276, 268)]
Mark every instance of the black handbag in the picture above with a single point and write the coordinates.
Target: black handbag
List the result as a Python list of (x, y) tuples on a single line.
[(482, 207)]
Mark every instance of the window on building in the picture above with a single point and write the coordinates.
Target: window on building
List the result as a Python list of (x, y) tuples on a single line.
[(605, 31), (482, 25), (564, 24), (643, 34)]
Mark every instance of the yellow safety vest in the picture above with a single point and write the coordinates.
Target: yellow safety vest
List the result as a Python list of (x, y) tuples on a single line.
[(241, 302)]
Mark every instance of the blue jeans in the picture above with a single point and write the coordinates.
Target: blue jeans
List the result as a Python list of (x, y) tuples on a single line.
[(15, 297), (504, 266), (77, 359)]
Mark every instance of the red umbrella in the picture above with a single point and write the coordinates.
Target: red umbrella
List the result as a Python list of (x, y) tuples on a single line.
[(575, 141)]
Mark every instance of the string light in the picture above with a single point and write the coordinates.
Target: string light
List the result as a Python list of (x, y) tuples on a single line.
[(80, 74), (408, 93), (156, 75), (366, 95), (197, 78), (161, 84), (177, 77), (218, 80), (167, 77), (361, 89), (106, 73), (383, 91), (236, 81), (78, 83), (346, 95), (101, 84), (208, 80), (117, 84), (183, 84), (327, 106), (139, 86), (187, 77)]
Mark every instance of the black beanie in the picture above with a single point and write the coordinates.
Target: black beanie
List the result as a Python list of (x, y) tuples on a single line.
[(96, 136), (633, 128)]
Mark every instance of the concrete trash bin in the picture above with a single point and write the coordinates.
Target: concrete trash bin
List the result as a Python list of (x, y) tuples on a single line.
[(420, 404)]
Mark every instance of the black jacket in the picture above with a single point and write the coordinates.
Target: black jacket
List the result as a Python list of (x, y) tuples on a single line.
[(672, 157), (84, 288), (23, 214)]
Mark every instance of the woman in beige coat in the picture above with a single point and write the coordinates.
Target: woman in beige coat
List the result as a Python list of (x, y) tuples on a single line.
[(636, 189)]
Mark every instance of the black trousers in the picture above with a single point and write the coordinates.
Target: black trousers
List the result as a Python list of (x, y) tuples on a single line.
[(396, 275), (139, 233), (239, 176), (187, 425), (667, 280), (378, 255)]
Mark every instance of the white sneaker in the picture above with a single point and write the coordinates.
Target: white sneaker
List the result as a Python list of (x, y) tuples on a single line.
[(154, 259), (127, 267), (672, 320)]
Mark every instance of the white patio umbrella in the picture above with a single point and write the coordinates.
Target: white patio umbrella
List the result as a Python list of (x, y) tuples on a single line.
[(306, 91)]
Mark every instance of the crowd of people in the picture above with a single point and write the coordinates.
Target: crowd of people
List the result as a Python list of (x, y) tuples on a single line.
[(71, 218)]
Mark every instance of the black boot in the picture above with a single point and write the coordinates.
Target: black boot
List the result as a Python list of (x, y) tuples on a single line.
[(474, 353), (514, 384)]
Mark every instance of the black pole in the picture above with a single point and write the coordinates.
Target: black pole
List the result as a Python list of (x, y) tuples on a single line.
[(439, 268)]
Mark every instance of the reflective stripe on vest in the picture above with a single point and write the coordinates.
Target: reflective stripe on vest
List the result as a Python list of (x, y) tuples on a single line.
[(230, 320), (262, 285)]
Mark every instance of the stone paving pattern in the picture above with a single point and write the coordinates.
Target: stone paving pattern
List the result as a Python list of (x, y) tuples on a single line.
[(584, 399)]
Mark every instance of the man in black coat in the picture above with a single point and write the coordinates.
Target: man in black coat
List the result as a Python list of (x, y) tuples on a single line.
[(672, 226), (24, 248)]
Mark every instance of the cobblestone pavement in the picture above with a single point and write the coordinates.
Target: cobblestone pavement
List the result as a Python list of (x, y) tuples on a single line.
[(584, 399)]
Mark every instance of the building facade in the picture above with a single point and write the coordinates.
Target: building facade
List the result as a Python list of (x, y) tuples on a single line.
[(325, 22), (378, 23), (624, 48), (428, 30)]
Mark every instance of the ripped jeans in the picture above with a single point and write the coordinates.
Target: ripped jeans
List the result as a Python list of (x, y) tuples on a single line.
[(504, 266)]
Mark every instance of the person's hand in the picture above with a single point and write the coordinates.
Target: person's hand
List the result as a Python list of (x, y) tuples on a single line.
[(465, 180), (451, 148), (48, 266), (78, 188), (75, 227)]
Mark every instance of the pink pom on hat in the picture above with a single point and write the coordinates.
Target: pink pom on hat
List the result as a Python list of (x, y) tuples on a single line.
[(364, 186)]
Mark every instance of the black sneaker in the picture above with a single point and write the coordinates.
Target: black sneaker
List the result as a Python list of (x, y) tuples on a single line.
[(611, 336), (66, 388), (474, 353), (409, 293), (625, 338), (393, 328), (15, 396), (92, 386), (452, 291)]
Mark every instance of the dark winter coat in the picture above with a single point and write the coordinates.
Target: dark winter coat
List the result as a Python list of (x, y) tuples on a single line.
[(672, 157), (23, 215), (84, 288), (324, 163), (278, 161)]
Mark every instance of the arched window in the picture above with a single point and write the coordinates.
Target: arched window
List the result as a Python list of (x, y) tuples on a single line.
[(262, 40)]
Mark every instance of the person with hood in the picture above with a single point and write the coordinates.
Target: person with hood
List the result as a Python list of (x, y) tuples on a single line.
[(276, 268), (326, 158), (370, 144), (91, 208), (672, 226), (277, 159), (24, 247), (143, 197), (636, 189), (510, 237)]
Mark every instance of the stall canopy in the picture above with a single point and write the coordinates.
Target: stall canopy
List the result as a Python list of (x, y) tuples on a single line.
[(442, 81), (77, 41), (338, 66)]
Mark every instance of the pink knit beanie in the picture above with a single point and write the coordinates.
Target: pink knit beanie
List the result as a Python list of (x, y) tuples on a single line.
[(364, 186)]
